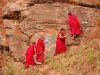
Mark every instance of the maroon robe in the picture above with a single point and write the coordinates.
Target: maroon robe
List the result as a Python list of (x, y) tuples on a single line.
[(29, 56), (74, 25), (40, 50), (60, 45)]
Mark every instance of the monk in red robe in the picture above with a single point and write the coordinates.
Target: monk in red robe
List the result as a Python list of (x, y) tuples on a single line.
[(29, 55), (60, 42), (40, 50), (74, 25)]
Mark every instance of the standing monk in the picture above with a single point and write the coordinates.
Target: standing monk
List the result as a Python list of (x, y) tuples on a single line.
[(60, 42), (74, 25), (40, 50), (29, 55)]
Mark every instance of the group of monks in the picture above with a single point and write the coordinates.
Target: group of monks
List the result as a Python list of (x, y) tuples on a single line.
[(35, 48), (39, 47)]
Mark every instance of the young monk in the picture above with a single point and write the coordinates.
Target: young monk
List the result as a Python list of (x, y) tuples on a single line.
[(74, 25), (29, 55), (60, 42), (40, 47)]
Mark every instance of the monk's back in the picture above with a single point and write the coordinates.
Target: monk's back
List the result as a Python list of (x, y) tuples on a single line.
[(30, 51)]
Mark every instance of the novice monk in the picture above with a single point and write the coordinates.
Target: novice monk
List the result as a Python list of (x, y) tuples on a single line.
[(74, 25), (40, 50), (60, 42), (29, 55)]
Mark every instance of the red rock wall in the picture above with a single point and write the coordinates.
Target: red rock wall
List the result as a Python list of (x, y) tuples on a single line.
[(40, 20)]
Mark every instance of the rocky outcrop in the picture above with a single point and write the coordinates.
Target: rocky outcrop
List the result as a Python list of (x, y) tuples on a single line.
[(24, 22), (89, 2)]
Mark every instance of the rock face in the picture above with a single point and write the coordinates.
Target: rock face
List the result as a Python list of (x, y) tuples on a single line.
[(90, 2), (24, 23)]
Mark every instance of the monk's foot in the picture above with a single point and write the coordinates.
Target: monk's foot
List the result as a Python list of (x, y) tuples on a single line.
[(81, 35), (26, 66), (73, 38), (38, 63)]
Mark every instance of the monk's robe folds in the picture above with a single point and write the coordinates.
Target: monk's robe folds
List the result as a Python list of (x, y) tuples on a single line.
[(60, 45), (29, 56), (74, 25), (40, 50)]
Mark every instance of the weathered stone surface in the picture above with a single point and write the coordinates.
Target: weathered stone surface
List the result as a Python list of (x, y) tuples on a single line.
[(13, 10), (2, 39), (90, 2), (57, 14), (15, 7), (10, 26), (18, 45)]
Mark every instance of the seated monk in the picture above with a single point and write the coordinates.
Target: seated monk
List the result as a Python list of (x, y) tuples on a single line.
[(60, 42), (29, 55)]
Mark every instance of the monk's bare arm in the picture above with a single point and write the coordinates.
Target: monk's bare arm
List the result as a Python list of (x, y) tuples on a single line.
[(62, 36)]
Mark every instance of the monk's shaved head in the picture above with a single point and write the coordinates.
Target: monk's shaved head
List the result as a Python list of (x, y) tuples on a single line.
[(33, 42), (62, 29), (42, 37), (69, 13)]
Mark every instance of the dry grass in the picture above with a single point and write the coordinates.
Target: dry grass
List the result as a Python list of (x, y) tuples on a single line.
[(93, 40), (81, 60), (13, 68)]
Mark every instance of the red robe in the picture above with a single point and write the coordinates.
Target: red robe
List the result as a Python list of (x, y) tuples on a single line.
[(40, 50), (29, 56), (74, 25), (60, 45)]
